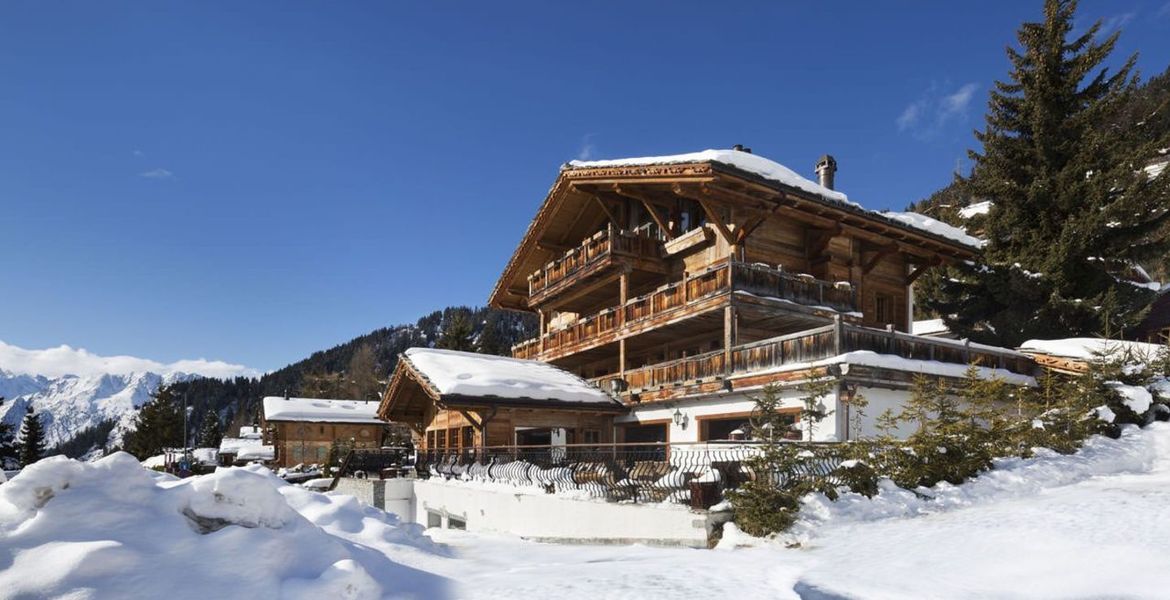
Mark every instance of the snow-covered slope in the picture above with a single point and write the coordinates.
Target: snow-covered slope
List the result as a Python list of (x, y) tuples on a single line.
[(71, 403), (73, 389)]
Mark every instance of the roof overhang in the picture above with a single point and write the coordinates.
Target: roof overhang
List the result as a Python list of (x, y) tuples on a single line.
[(572, 208)]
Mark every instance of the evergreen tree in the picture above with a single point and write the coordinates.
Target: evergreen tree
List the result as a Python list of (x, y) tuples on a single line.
[(210, 432), (1072, 207), (491, 338), (9, 454), (32, 439), (458, 332), (159, 425)]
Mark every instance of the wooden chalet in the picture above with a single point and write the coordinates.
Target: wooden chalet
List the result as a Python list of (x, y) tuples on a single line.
[(302, 430), (461, 400), (681, 284)]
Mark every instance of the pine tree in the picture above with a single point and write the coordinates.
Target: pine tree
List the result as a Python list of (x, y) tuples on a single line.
[(458, 332), (32, 439), (210, 432), (491, 338), (159, 425), (1072, 208), (9, 453)]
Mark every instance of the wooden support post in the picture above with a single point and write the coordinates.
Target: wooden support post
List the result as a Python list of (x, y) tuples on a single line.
[(543, 328), (623, 295), (838, 335), (622, 358), (730, 319)]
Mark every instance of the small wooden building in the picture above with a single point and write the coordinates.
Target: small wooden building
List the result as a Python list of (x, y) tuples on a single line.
[(302, 430), (457, 400)]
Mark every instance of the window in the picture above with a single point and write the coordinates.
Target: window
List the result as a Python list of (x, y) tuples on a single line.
[(298, 454), (882, 309), (456, 523), (434, 519), (591, 436), (322, 453), (467, 437), (739, 427), (431, 440)]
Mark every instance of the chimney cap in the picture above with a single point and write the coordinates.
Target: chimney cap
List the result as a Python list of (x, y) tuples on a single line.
[(827, 161), (741, 148)]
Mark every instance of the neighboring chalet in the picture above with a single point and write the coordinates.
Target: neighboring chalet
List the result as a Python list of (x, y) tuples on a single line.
[(459, 400), (302, 430), (683, 284), (248, 447)]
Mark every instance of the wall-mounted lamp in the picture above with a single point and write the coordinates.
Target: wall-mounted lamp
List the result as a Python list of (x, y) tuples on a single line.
[(680, 419)]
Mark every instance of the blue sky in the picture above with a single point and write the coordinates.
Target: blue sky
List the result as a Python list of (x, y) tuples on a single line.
[(254, 181)]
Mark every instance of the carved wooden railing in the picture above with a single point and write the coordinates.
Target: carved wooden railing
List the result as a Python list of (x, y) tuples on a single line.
[(604, 243), (673, 298), (812, 345), (763, 280)]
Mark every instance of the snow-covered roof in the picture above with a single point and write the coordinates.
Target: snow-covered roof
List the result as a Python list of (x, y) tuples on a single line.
[(251, 432), (454, 373), (234, 445), (929, 327), (744, 161), (774, 171), (1090, 348), (318, 410), (925, 223), (256, 453)]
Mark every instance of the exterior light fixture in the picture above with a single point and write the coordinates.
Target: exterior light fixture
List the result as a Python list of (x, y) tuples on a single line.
[(680, 419)]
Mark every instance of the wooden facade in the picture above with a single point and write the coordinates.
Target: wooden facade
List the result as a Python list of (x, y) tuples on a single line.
[(457, 422), (297, 442), (650, 278)]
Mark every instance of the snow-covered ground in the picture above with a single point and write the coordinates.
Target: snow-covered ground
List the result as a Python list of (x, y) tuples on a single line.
[(1090, 525)]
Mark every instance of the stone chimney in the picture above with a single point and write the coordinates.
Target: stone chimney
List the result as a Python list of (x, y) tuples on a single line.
[(826, 168)]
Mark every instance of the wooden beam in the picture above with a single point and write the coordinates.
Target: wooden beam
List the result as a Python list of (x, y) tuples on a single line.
[(550, 246), (918, 272), (650, 208), (608, 211), (713, 217), (881, 253), (821, 240), (476, 423)]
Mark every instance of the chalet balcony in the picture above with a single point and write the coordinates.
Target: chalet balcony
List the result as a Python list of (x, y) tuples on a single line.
[(595, 257), (812, 345), (695, 292)]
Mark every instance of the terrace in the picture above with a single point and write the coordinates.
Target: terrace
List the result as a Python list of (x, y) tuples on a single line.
[(809, 346), (692, 295)]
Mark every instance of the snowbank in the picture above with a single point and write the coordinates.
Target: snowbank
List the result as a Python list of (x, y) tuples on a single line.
[(1134, 452), (111, 529)]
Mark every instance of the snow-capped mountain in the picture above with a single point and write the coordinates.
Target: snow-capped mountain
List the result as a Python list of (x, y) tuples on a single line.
[(72, 389)]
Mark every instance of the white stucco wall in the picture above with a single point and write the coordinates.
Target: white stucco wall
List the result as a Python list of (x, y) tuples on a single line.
[(740, 402), (549, 517), (879, 400)]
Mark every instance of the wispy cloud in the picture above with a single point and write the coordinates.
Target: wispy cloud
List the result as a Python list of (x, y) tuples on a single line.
[(1115, 22), (157, 174), (938, 106), (138, 153), (588, 149), (65, 360), (1164, 11)]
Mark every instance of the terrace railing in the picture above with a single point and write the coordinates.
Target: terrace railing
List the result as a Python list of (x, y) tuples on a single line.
[(601, 245), (697, 474), (812, 345), (675, 298)]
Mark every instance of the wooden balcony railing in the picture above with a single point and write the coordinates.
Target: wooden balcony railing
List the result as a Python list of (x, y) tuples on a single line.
[(812, 345), (603, 244), (759, 280)]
